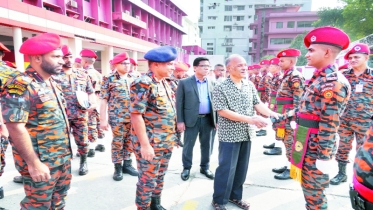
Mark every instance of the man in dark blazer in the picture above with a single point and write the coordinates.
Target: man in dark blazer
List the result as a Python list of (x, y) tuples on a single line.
[(195, 116)]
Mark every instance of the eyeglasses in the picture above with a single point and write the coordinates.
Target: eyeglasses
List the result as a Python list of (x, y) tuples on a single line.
[(125, 63), (204, 66)]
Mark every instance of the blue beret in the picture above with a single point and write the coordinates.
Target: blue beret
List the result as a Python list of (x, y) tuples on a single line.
[(161, 54)]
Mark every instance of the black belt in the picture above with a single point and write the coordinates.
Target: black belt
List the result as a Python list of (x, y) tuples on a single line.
[(283, 102), (308, 123), (273, 95), (358, 202), (203, 115)]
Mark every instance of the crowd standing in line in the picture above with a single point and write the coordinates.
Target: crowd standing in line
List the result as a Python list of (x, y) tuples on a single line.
[(147, 113)]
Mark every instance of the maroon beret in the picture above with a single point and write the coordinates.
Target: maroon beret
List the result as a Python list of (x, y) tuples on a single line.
[(10, 64), (250, 68), (119, 58), (289, 53), (66, 50), (41, 44), (345, 66), (264, 62), (180, 66), (3, 48), (256, 66), (133, 62), (78, 60), (274, 61), (358, 48), (88, 53), (327, 36)]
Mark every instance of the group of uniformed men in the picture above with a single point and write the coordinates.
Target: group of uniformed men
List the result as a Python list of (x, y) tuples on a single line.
[(53, 97)]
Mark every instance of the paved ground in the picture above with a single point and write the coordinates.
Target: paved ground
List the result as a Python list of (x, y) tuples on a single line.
[(98, 191)]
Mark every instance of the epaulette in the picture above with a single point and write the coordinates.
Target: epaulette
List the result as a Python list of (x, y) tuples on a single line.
[(143, 79), (332, 76)]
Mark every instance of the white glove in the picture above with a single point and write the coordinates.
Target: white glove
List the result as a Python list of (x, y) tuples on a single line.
[(293, 125), (324, 166)]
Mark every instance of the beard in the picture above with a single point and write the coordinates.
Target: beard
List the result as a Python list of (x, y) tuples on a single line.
[(67, 65), (50, 68)]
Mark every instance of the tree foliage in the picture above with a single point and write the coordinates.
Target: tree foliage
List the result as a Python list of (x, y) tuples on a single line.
[(267, 57), (330, 17), (298, 43)]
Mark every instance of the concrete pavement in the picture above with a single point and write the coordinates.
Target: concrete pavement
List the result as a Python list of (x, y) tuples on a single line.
[(98, 191)]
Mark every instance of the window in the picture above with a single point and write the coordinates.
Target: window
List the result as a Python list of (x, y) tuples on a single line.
[(291, 24), (250, 6), (239, 28), (210, 52), (255, 17), (227, 28), (256, 31), (228, 8), (240, 8), (87, 0), (49, 8), (255, 45), (277, 41), (279, 24), (228, 49), (304, 24), (210, 48), (228, 40), (249, 16), (210, 27), (239, 18), (210, 44), (212, 17), (227, 18)]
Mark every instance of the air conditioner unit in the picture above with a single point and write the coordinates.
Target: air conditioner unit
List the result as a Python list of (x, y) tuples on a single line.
[(127, 12), (137, 17), (73, 4)]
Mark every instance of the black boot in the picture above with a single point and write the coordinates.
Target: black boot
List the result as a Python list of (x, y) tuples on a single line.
[(156, 204), (18, 179), (83, 169), (341, 176), (1, 192), (118, 174), (91, 153), (100, 147), (129, 169), (261, 133)]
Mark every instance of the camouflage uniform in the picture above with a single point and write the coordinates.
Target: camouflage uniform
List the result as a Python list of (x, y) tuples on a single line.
[(115, 90), (6, 74), (94, 130), (273, 88), (287, 99), (155, 101), (326, 97), (257, 80), (357, 118), (78, 117), (28, 99), (264, 86)]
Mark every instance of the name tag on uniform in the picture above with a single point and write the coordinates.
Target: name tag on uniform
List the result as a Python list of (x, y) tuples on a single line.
[(359, 88)]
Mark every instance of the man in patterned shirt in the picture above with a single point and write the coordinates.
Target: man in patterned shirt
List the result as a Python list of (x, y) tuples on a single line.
[(115, 101), (235, 100), (359, 111)]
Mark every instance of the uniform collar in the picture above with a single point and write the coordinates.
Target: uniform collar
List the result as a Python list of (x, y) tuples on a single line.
[(289, 71), (151, 75), (34, 74), (367, 71), (325, 71)]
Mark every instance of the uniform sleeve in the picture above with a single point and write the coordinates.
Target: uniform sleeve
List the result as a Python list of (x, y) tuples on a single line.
[(15, 103), (104, 93), (297, 87), (140, 92), (332, 103), (267, 89), (89, 88), (219, 101)]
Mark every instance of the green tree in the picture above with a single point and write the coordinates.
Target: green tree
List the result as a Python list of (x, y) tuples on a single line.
[(298, 44), (358, 18), (267, 57), (330, 17)]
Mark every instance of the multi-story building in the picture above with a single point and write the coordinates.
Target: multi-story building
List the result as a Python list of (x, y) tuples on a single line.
[(276, 27), (108, 27), (224, 25), (192, 40)]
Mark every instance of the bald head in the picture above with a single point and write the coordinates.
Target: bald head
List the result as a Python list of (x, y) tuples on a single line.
[(233, 57)]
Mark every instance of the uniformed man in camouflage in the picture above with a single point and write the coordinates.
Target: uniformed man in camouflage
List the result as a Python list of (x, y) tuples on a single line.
[(287, 101), (95, 133), (153, 118), (362, 190), (356, 120), (6, 74), (34, 112), (321, 106), (256, 71), (76, 86), (77, 63), (115, 99), (133, 68)]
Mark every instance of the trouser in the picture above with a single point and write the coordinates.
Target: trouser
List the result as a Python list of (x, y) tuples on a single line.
[(94, 130), (121, 146), (231, 172), (203, 128), (151, 176), (287, 139), (347, 131), (314, 181), (79, 127), (47, 195), (4, 142)]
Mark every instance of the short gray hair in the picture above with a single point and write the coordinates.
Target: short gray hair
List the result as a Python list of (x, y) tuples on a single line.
[(220, 65), (228, 60), (89, 60)]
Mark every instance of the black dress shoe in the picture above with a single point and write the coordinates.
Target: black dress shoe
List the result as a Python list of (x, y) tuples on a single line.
[(269, 146), (284, 175), (261, 133), (274, 151), (18, 179), (100, 147), (279, 170), (185, 174), (207, 173), (91, 153)]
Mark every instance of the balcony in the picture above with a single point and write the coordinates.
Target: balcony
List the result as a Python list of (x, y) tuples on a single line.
[(253, 38), (227, 44), (127, 18), (253, 25)]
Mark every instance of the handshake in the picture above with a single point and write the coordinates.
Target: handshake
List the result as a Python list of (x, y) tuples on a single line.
[(282, 117)]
